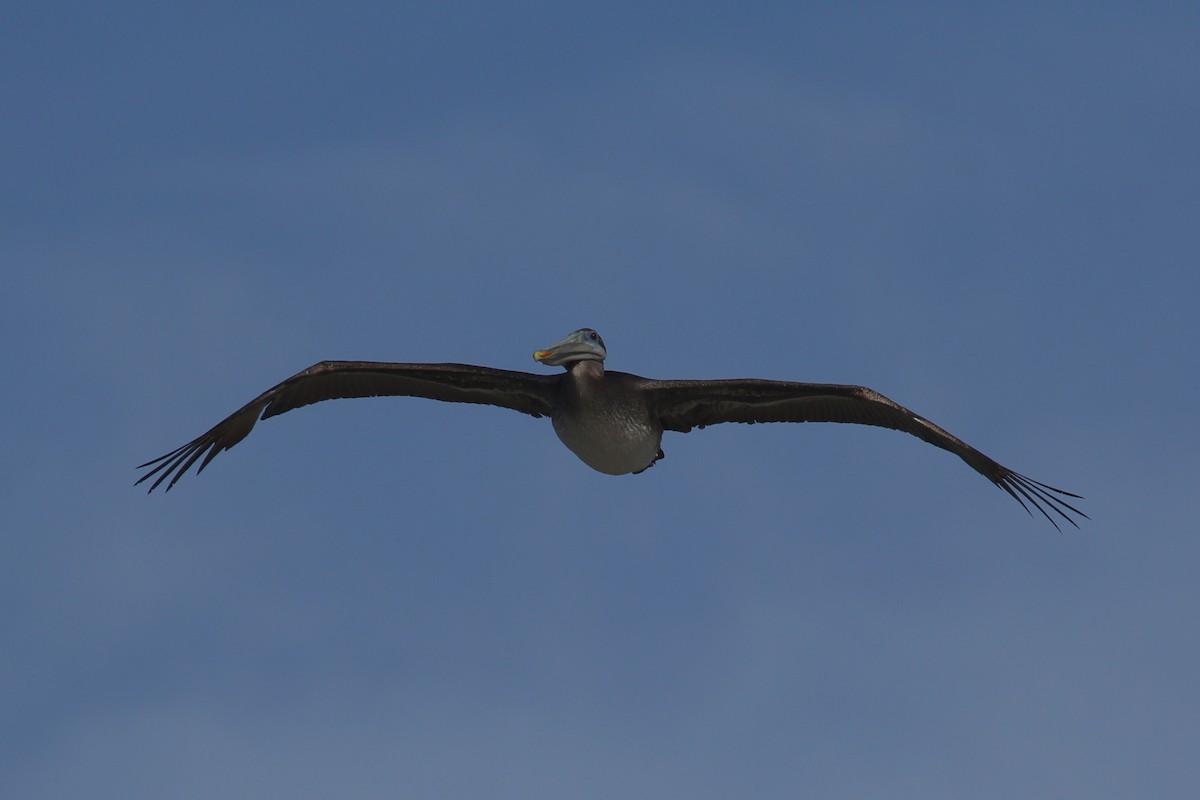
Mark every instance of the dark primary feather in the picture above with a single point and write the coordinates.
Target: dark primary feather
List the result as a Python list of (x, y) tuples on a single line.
[(683, 405), (331, 380)]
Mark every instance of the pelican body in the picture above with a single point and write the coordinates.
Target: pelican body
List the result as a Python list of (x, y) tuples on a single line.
[(612, 421), (602, 417)]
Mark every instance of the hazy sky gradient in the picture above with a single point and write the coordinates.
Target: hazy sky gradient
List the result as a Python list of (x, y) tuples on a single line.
[(990, 216)]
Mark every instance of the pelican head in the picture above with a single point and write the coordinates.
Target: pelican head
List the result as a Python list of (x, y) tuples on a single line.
[(582, 345)]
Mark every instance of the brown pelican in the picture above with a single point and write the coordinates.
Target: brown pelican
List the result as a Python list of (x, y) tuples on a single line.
[(613, 421)]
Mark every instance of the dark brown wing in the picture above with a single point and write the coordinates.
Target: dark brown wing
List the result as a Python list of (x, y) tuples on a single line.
[(683, 405), (332, 380)]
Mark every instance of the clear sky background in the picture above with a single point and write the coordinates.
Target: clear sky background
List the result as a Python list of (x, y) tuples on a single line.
[(990, 213)]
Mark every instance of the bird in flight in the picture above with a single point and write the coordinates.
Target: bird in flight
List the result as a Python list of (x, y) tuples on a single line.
[(612, 421)]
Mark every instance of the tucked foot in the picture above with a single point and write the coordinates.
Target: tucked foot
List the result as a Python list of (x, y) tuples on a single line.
[(661, 455)]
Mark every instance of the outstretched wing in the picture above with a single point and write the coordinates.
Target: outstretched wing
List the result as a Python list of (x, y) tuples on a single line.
[(333, 380), (683, 405)]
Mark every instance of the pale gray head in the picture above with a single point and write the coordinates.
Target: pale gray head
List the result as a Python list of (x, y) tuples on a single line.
[(582, 345)]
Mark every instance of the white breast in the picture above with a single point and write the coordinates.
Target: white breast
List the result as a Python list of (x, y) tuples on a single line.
[(615, 444)]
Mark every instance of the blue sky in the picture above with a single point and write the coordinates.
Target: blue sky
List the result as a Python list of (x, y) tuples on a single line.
[(989, 215)]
